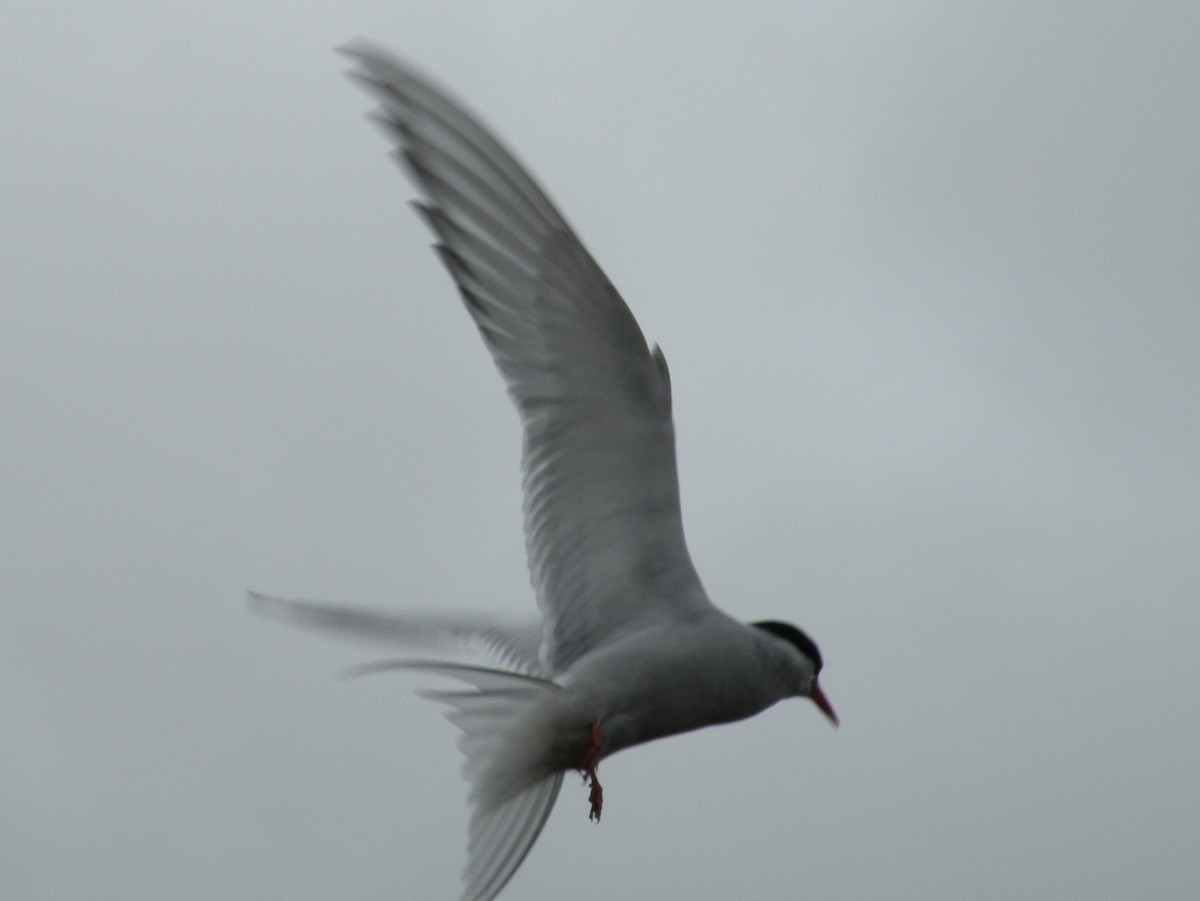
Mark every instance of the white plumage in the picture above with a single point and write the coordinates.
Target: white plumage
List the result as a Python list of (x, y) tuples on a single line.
[(628, 647)]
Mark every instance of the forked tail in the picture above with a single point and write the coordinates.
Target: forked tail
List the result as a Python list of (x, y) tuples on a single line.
[(512, 791)]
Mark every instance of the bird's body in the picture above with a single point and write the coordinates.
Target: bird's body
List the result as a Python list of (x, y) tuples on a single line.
[(670, 668), (628, 647)]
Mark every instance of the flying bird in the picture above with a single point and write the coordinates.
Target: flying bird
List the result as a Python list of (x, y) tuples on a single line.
[(627, 647)]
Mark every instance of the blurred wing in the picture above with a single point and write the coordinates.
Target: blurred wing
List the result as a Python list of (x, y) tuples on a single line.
[(602, 521), (514, 645)]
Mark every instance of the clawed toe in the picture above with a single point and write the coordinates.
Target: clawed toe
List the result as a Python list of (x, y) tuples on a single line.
[(587, 768)]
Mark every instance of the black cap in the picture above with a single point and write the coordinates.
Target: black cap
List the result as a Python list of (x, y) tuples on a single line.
[(794, 637)]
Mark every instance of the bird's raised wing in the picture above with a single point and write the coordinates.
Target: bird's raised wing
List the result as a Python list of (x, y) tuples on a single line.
[(602, 522)]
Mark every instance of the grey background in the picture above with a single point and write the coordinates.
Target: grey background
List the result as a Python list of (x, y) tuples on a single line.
[(926, 273)]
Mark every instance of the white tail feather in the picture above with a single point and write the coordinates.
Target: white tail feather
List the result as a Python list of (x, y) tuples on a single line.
[(505, 723)]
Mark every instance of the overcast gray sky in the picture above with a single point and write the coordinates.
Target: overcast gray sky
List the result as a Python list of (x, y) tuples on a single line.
[(926, 273)]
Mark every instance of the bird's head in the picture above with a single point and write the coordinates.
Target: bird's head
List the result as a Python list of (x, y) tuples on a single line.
[(810, 662)]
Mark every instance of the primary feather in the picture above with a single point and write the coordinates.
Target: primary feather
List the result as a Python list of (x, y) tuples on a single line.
[(602, 518), (511, 643)]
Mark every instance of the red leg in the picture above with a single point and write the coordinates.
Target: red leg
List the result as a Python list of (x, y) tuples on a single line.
[(587, 767)]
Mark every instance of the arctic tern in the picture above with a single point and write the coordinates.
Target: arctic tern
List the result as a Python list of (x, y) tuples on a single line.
[(627, 647)]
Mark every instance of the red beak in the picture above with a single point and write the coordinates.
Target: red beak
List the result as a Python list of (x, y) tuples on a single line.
[(818, 698)]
